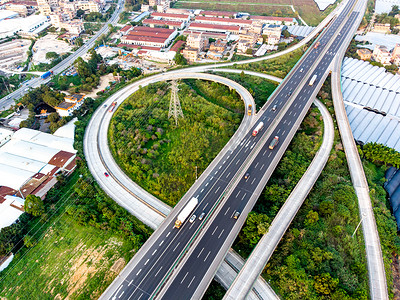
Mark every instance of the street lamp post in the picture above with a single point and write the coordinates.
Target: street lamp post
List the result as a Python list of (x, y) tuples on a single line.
[(363, 216)]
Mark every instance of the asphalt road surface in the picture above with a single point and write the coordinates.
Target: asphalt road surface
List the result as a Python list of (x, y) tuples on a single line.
[(161, 258)]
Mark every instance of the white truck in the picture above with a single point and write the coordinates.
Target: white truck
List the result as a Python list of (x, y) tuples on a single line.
[(258, 128), (313, 80), (186, 211)]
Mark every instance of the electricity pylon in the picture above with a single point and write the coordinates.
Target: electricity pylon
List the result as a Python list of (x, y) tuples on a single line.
[(175, 108)]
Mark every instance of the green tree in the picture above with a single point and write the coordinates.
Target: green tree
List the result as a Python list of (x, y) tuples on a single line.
[(51, 55), (325, 284), (179, 59), (29, 241), (80, 13), (34, 205), (286, 33), (79, 42), (82, 68), (311, 218)]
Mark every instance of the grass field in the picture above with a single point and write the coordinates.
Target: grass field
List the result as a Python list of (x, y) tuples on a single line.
[(307, 9), (67, 260)]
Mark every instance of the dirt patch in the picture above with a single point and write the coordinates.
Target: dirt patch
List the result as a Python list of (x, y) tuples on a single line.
[(118, 265), (104, 82), (89, 262)]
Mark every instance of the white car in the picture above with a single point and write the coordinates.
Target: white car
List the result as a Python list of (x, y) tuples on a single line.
[(192, 218)]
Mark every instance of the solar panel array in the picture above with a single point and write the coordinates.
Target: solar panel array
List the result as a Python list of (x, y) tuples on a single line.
[(372, 101)]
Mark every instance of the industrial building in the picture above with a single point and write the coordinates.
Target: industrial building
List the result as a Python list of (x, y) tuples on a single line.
[(31, 159), (148, 36), (372, 101)]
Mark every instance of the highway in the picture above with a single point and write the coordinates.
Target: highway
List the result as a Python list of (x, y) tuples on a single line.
[(376, 269), (159, 258), (261, 254), (199, 266), (9, 100)]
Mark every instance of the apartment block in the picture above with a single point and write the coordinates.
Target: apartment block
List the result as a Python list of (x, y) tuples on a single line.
[(382, 55)]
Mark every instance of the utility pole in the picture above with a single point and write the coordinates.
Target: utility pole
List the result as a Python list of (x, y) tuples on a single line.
[(175, 108), (5, 85), (363, 216)]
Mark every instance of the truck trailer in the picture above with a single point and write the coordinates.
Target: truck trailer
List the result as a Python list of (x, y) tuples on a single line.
[(186, 211), (258, 128), (312, 80), (47, 74), (112, 106)]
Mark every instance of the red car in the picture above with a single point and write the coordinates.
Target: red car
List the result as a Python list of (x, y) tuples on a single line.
[(106, 174)]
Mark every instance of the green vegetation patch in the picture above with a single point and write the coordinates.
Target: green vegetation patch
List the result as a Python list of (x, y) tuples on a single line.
[(278, 67), (161, 157), (74, 248), (259, 88), (307, 9)]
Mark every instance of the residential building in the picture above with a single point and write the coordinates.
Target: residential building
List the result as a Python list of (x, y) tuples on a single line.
[(396, 51), (275, 30), (382, 55), (243, 46), (273, 40), (197, 41), (382, 28), (163, 6), (190, 54), (396, 60), (74, 27), (364, 53), (19, 8), (154, 2), (215, 55), (218, 46), (88, 6), (145, 7), (70, 104)]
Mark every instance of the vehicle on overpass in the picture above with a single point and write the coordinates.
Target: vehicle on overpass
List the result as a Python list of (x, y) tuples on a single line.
[(112, 106), (47, 74), (186, 211), (274, 142), (258, 128), (313, 80), (249, 110)]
